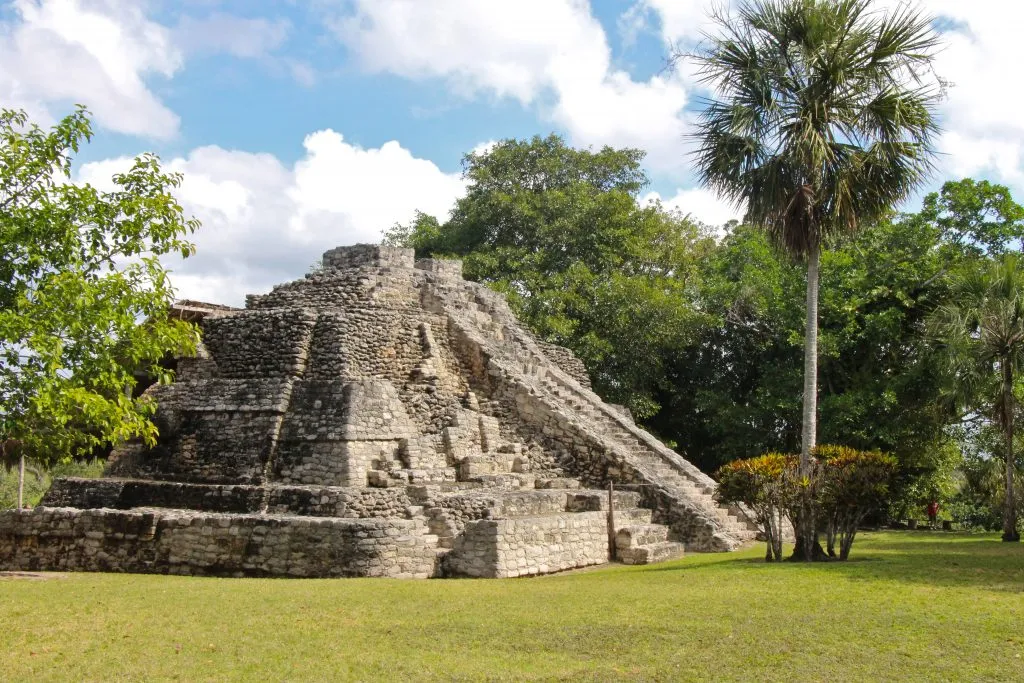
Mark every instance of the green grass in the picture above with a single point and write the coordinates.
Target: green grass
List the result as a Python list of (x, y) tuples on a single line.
[(907, 606)]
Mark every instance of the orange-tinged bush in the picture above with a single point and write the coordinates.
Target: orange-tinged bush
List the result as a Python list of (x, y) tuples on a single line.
[(844, 485), (763, 484), (852, 483)]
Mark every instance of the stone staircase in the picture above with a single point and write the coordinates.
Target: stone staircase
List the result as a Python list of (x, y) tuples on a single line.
[(483, 317), (568, 527), (675, 479), (637, 539)]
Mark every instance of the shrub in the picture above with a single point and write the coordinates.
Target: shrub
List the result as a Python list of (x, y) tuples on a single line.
[(763, 484), (38, 479), (851, 484)]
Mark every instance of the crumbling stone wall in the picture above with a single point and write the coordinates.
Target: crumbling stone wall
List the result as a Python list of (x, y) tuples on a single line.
[(315, 501), (363, 255), (567, 361), (198, 543), (213, 447), (259, 344)]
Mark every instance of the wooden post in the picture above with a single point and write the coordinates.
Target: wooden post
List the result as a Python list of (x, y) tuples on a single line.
[(611, 520), (21, 482)]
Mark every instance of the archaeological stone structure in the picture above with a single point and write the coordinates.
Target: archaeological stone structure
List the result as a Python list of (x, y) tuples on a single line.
[(379, 417)]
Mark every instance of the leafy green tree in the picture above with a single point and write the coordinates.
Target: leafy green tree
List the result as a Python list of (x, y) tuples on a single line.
[(820, 122), (980, 499), (732, 391), (84, 296), (983, 333), (735, 390), (975, 217), (560, 231)]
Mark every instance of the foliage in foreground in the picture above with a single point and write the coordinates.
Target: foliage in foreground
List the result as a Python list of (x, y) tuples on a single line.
[(84, 296), (38, 480), (764, 484), (851, 485)]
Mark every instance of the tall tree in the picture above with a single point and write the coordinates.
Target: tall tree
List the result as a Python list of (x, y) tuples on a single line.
[(983, 332), (84, 296), (820, 119)]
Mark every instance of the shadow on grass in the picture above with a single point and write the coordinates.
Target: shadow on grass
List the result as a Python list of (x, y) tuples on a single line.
[(936, 559)]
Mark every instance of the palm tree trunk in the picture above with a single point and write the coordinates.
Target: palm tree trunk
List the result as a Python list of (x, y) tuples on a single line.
[(809, 435), (807, 545), (21, 481), (1010, 509)]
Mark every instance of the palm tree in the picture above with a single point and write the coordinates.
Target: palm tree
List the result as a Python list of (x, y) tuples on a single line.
[(821, 118), (983, 335)]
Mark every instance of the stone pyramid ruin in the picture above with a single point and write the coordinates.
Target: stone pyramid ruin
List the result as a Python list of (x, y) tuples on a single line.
[(379, 417)]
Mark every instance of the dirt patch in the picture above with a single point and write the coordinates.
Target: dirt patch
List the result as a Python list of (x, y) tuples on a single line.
[(31, 576)]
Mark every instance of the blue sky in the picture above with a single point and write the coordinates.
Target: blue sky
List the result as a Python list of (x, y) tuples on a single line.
[(304, 124)]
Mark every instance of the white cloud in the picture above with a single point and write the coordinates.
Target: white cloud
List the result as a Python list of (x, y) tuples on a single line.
[(551, 53), (700, 204), (59, 52), (229, 34), (982, 115), (56, 53), (363, 191), (484, 147), (983, 126), (265, 223), (499, 47), (681, 21)]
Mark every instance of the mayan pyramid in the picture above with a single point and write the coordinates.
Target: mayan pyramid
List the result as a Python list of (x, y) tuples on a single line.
[(379, 417)]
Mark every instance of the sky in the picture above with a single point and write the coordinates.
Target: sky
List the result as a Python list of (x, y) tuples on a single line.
[(301, 125)]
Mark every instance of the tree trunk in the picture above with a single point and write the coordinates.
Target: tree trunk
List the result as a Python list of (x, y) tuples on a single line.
[(807, 528), (809, 434), (777, 540), (21, 481), (1010, 511)]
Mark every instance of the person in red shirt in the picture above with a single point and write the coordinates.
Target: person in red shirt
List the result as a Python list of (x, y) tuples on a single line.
[(933, 512)]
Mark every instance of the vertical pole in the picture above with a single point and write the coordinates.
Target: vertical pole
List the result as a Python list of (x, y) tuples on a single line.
[(611, 520), (21, 481)]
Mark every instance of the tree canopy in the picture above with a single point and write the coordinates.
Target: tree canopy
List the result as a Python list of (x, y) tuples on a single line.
[(982, 331), (84, 295)]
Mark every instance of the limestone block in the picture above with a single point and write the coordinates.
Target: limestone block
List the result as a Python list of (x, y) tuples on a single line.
[(490, 435)]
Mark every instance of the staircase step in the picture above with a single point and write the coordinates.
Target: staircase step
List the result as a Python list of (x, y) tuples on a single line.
[(557, 483), (508, 481), (637, 535), (587, 501), (632, 516), (649, 554)]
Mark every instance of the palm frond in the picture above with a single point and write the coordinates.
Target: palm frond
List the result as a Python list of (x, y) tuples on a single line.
[(822, 114)]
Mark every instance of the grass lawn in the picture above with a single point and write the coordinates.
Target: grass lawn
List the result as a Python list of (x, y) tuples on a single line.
[(907, 606)]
